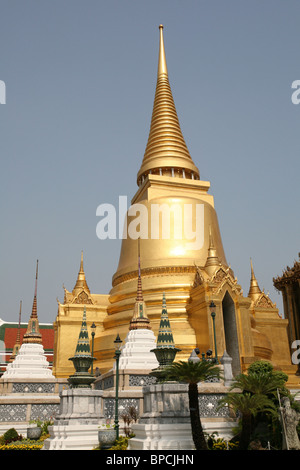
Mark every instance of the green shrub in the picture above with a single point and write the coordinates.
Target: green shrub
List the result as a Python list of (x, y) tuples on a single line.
[(11, 435), (121, 443), (260, 367), (42, 424), (265, 367)]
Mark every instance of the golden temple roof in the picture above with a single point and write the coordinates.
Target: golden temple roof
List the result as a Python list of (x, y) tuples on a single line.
[(166, 148), (289, 276)]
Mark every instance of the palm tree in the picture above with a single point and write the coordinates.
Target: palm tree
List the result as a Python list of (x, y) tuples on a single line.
[(259, 383), (247, 405), (192, 373)]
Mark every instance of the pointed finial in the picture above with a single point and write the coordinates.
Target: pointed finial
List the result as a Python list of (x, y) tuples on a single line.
[(213, 260), (252, 270), (36, 277), (140, 319), (34, 306), (166, 152), (81, 263), (254, 290), (162, 62), (81, 283), (33, 334), (253, 278), (211, 247)]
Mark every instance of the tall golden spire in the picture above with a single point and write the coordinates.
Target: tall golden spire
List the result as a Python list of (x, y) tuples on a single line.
[(33, 334), (166, 151), (81, 283), (254, 291)]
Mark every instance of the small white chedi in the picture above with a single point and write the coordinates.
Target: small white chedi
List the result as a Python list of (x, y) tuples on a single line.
[(30, 361), (140, 340)]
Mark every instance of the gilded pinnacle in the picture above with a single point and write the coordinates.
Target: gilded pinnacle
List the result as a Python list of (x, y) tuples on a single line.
[(162, 63), (166, 151), (81, 283), (212, 257), (254, 291)]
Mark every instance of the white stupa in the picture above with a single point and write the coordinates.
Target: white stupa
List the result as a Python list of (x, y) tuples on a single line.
[(140, 340), (30, 360)]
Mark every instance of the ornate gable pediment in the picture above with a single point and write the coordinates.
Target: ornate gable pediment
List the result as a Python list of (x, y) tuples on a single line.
[(220, 275), (223, 276), (82, 298), (218, 280), (264, 301)]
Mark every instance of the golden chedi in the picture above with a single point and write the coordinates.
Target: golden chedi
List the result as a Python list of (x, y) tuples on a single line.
[(191, 275), (181, 252), (168, 180)]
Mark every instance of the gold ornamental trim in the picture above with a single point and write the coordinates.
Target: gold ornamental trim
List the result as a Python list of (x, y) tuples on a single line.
[(155, 271)]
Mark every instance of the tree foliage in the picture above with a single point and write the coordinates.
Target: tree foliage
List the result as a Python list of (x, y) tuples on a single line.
[(256, 401), (192, 373)]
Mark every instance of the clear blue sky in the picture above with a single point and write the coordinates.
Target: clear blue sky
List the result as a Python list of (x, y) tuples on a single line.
[(80, 79)]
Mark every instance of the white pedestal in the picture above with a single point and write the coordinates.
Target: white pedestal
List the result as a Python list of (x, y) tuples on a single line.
[(76, 426), (172, 436), (72, 437), (30, 363), (136, 352), (165, 423)]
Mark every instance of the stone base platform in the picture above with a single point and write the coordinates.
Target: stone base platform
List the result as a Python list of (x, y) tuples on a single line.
[(72, 437), (76, 425)]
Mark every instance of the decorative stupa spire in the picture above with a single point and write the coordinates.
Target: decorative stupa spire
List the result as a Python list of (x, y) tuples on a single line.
[(18, 339), (165, 335), (83, 343), (165, 350), (82, 358), (139, 319), (213, 260), (81, 283), (254, 291), (166, 151), (33, 334)]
